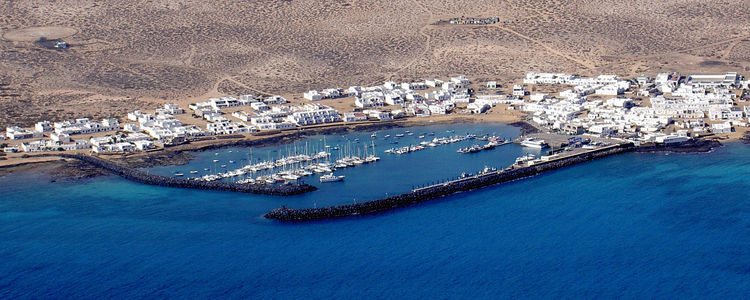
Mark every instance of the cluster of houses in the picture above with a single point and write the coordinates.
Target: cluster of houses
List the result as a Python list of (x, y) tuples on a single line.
[(59, 134), (676, 104), (143, 131), (161, 127), (669, 107), (285, 117), (411, 98)]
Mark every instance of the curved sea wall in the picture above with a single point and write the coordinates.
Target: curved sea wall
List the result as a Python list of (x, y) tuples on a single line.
[(440, 190), (143, 177)]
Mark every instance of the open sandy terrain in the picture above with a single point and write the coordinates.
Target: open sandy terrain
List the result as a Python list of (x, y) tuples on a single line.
[(128, 54)]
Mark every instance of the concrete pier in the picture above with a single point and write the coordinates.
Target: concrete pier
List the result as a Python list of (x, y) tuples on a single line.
[(443, 189)]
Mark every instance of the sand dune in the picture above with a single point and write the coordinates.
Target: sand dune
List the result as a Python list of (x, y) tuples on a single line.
[(125, 54)]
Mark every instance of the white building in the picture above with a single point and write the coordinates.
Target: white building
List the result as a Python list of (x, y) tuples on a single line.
[(725, 127), (460, 81), (354, 117), (478, 108), (173, 109), (85, 126), (433, 82), (224, 126), (312, 95), (314, 114), (714, 80), (44, 126), (18, 133)]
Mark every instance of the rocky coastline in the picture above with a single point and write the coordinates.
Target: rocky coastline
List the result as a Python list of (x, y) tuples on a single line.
[(700, 145)]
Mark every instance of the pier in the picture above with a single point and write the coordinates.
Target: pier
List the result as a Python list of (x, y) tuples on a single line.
[(143, 177), (443, 189)]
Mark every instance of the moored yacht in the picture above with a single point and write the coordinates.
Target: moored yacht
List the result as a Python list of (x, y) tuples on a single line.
[(331, 178)]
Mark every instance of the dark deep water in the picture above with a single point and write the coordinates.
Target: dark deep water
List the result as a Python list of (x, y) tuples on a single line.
[(631, 226)]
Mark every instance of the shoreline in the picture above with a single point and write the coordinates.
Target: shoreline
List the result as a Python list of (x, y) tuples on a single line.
[(444, 189), (440, 190), (182, 154), (60, 168)]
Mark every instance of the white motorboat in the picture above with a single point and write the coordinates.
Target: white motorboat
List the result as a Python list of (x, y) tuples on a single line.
[(534, 143), (331, 178)]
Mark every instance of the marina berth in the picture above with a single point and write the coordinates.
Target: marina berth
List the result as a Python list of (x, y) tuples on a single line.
[(146, 178), (466, 182)]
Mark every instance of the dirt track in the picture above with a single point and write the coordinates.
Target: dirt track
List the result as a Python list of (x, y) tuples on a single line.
[(127, 54)]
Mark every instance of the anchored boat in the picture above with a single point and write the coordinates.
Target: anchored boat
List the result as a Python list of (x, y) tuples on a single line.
[(331, 178)]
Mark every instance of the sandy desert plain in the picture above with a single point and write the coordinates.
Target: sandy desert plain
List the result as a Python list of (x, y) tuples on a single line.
[(127, 55)]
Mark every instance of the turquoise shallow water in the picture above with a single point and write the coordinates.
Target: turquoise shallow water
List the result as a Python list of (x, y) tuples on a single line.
[(632, 226)]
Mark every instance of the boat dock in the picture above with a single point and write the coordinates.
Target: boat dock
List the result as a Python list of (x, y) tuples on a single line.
[(443, 189), (143, 177)]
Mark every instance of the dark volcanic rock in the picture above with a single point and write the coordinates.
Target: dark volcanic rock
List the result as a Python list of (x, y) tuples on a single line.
[(161, 158), (526, 128), (745, 138), (691, 146), (75, 170)]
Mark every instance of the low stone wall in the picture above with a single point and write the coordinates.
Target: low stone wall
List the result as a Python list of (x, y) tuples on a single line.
[(440, 190), (143, 177)]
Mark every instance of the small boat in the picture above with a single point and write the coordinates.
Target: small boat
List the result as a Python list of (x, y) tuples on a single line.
[(400, 135), (472, 149), (223, 166), (331, 178), (179, 174), (487, 170), (290, 177), (534, 143), (231, 161), (387, 136), (216, 160), (193, 172), (205, 169), (373, 135)]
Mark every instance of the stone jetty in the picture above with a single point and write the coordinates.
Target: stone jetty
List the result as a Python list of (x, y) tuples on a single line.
[(443, 189), (143, 177)]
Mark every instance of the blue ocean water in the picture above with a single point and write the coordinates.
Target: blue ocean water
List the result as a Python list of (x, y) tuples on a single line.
[(631, 226)]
